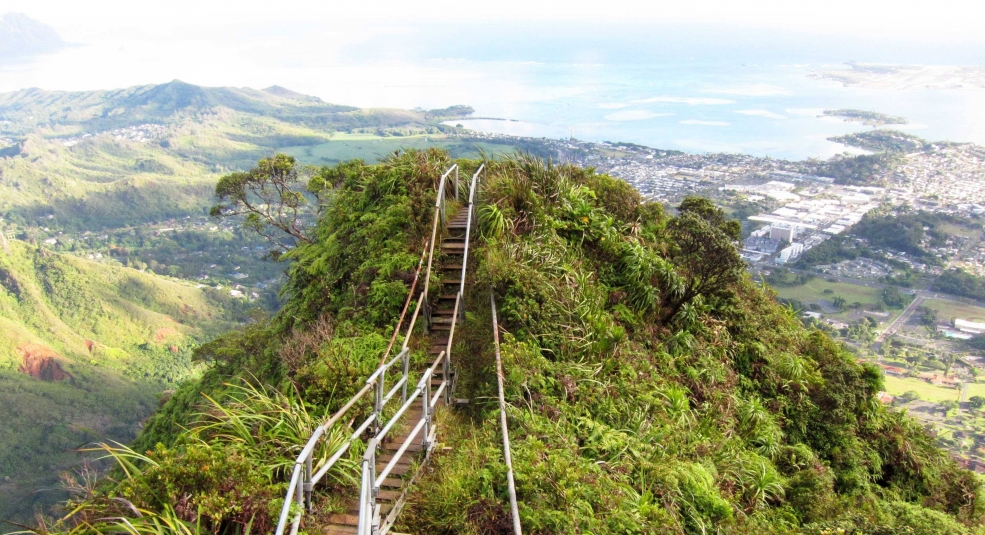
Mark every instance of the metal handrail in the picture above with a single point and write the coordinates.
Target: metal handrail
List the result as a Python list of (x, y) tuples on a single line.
[(300, 491), (303, 480), (510, 483)]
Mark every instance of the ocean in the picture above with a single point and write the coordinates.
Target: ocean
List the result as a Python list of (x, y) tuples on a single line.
[(703, 89)]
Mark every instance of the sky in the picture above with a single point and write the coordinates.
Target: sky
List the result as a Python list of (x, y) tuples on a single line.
[(941, 20), (552, 62)]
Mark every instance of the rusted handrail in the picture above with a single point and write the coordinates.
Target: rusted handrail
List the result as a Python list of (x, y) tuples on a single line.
[(510, 483)]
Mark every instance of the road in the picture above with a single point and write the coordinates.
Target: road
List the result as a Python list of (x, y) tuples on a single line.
[(899, 321)]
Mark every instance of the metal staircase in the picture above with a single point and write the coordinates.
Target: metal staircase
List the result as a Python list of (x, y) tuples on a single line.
[(399, 448)]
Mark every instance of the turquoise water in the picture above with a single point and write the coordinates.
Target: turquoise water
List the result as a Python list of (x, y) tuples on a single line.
[(762, 110), (696, 89)]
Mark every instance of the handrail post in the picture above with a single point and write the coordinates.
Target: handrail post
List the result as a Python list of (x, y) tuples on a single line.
[(447, 376), (367, 500), (426, 400), (406, 363), (299, 497), (374, 490), (456, 183), (378, 401), (308, 484)]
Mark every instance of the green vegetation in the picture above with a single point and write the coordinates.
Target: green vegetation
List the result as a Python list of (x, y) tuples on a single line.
[(906, 231), (652, 386), (104, 159), (926, 391), (960, 282), (884, 141), (101, 342), (868, 118), (948, 310), (861, 170)]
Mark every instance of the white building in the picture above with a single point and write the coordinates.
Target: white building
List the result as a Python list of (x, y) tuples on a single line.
[(783, 233), (789, 253)]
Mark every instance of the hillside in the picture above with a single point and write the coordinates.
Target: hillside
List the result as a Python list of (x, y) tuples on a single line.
[(22, 36), (86, 350), (112, 158), (652, 386)]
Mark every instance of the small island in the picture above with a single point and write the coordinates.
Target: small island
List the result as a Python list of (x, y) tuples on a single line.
[(868, 118)]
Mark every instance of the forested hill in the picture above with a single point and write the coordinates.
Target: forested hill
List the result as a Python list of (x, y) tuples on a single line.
[(123, 157), (85, 350), (652, 386), (106, 109)]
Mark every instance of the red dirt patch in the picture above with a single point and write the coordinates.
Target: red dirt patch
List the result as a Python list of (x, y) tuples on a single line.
[(90, 345), (164, 333), (41, 362)]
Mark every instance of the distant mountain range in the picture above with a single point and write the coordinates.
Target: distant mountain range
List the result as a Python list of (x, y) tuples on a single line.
[(22, 36)]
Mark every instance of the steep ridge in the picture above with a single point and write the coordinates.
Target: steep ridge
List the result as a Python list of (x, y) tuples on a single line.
[(653, 387)]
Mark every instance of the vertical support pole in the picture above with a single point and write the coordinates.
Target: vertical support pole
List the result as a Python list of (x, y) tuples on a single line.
[(378, 403), (406, 363), (299, 498), (308, 484), (366, 499), (374, 490), (456, 184), (447, 377), (426, 399), (426, 309)]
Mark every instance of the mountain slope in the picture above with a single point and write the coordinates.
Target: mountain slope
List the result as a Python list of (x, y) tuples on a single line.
[(23, 36), (85, 351), (654, 388), (114, 158)]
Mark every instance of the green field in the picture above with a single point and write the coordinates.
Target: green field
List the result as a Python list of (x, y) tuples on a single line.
[(928, 392), (370, 148), (953, 309), (975, 389), (814, 291)]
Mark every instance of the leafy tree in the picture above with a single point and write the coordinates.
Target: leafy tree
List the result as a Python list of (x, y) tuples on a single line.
[(704, 252), (892, 297), (839, 302), (976, 402), (948, 361), (270, 198), (928, 316), (908, 396)]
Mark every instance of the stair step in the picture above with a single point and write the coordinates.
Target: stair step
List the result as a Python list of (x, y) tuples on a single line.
[(453, 245), (341, 530), (344, 520), (352, 508), (392, 483), (399, 469), (436, 350), (443, 312), (413, 448), (442, 320), (389, 495), (449, 267), (451, 281), (441, 327), (447, 297)]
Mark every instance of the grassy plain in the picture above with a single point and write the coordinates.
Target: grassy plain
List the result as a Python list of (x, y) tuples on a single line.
[(947, 309), (928, 392), (976, 389), (814, 290)]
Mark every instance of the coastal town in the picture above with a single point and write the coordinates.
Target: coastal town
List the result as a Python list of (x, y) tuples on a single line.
[(882, 302)]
